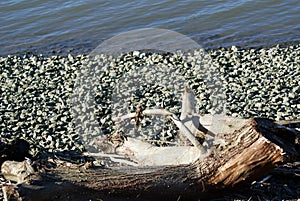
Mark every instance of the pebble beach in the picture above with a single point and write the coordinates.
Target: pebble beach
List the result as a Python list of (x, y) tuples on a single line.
[(36, 90), (73, 73)]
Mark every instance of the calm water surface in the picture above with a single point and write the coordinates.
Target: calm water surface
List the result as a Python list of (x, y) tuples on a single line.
[(42, 25)]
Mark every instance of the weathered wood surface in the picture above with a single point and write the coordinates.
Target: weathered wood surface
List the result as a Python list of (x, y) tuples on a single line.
[(252, 150), (235, 151)]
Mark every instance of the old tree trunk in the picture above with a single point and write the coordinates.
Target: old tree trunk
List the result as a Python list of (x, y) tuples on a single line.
[(250, 149), (241, 151)]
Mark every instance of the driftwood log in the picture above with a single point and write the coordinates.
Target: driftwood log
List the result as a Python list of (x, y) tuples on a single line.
[(246, 150), (250, 152)]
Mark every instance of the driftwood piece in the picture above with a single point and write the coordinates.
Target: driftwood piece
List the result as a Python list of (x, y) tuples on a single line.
[(238, 151), (17, 171), (14, 171), (249, 151), (188, 125)]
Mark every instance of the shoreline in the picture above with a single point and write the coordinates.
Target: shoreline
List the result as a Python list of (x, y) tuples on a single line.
[(88, 46)]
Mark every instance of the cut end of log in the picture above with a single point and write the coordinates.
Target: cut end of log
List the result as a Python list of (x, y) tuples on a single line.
[(258, 149)]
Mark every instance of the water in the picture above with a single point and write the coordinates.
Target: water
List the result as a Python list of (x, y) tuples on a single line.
[(40, 25)]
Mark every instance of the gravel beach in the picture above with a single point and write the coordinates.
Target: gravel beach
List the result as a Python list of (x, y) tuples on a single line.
[(36, 91)]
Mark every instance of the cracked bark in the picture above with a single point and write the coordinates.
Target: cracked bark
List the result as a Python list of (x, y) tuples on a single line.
[(251, 149)]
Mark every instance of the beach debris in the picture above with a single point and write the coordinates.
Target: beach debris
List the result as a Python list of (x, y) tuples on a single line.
[(142, 153), (18, 172), (10, 192)]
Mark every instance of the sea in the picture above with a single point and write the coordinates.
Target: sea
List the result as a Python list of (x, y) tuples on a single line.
[(58, 27)]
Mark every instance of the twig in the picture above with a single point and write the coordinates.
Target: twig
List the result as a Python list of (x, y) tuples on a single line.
[(113, 157), (161, 141), (144, 113), (118, 160), (99, 154), (186, 132), (124, 117), (157, 112), (188, 106)]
